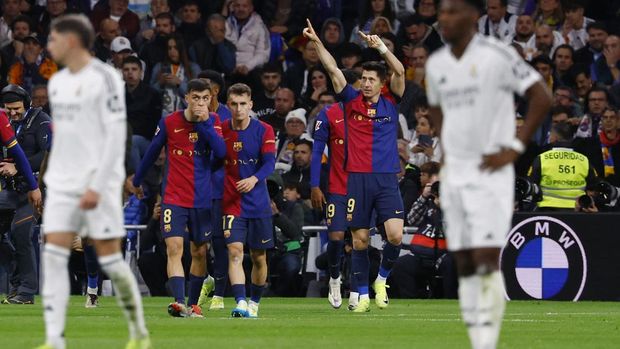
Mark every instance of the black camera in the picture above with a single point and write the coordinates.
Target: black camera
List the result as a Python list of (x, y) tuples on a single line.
[(605, 197), (526, 190), (434, 191)]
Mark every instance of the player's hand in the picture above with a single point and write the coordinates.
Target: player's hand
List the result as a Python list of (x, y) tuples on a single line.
[(35, 199), (494, 162), (373, 41), (317, 198), (310, 33), (8, 169), (202, 112), (89, 200), (148, 34), (246, 185)]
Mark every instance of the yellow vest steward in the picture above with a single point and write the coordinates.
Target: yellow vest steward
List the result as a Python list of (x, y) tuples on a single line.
[(563, 177)]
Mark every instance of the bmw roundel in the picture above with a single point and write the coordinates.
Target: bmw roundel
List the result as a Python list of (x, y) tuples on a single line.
[(544, 259)]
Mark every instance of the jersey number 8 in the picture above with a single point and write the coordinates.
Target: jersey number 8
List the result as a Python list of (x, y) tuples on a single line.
[(167, 216)]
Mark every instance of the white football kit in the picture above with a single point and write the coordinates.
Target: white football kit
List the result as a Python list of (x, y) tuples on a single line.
[(88, 151), (475, 94)]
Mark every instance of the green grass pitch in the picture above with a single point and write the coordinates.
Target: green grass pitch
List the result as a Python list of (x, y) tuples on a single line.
[(312, 323)]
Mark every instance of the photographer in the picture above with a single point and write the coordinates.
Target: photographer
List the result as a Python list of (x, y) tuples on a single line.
[(562, 173), (429, 270), (32, 133), (288, 218), (603, 197)]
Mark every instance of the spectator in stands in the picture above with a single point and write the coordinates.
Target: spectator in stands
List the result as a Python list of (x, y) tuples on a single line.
[(10, 11), (294, 128), (420, 33), (583, 83), (40, 98), (606, 69), (532, 150), (562, 173), (20, 29), (371, 10), (425, 146), (332, 35), (121, 49), (547, 40), (575, 24), (33, 67), (213, 51), (154, 51), (53, 9), (300, 169), (596, 102), (283, 105), (565, 96), (524, 35), (408, 178), (427, 9), (429, 270), (286, 18), (298, 76), (118, 11), (415, 61), (325, 98), (143, 108), (171, 76), (597, 33), (549, 12), (319, 83), (246, 30), (544, 66), (497, 22), (147, 24), (191, 27), (609, 139), (563, 62), (561, 114), (350, 55), (108, 31), (153, 259), (285, 261), (264, 98)]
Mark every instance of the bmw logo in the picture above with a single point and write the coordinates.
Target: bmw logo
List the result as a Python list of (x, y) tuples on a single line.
[(543, 259)]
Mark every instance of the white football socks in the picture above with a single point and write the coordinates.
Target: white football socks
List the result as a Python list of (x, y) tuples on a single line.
[(127, 293), (491, 305), (55, 291)]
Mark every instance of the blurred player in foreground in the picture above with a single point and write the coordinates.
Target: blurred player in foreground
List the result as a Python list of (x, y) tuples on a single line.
[(85, 177), (470, 85)]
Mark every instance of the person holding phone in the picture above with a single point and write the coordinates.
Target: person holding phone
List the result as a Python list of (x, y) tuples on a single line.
[(424, 146)]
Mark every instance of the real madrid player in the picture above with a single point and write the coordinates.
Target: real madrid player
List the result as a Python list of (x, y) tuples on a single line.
[(85, 177), (470, 85)]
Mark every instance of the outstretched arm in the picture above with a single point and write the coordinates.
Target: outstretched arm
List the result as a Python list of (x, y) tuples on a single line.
[(397, 81), (329, 63)]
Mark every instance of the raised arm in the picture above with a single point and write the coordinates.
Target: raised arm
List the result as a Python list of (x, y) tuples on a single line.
[(329, 63), (397, 81)]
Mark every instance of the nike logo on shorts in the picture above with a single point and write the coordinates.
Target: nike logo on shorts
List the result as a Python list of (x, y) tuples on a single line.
[(265, 241), (398, 212)]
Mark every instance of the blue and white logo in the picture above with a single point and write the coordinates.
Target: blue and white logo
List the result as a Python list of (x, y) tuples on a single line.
[(546, 259)]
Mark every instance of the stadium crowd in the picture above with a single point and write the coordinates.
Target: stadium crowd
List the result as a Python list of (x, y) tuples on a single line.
[(159, 46)]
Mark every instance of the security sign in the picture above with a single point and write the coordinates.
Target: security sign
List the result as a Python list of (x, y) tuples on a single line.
[(544, 259)]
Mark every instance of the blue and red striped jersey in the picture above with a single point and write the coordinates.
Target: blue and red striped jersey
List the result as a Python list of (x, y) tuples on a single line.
[(8, 140), (249, 152), (329, 130), (217, 177), (371, 133), (187, 173)]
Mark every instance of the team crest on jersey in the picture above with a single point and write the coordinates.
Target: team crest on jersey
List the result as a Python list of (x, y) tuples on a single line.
[(193, 137), (349, 217), (167, 228), (237, 146), (371, 112), (544, 259), (318, 125)]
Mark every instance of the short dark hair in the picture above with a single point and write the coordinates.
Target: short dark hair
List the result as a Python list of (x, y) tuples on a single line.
[(431, 167), (560, 109), (350, 49), (542, 59), (598, 89), (192, 3), (132, 60), (300, 141), (77, 24), (421, 102), (566, 47), (328, 93), (165, 15), (24, 19), (271, 68), (239, 89), (214, 77), (572, 5), (597, 25), (563, 130), (198, 85), (292, 186), (377, 67), (478, 4), (351, 75), (414, 19)]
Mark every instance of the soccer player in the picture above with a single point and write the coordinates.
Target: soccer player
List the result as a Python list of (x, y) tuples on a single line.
[(329, 131), (250, 158), (470, 87), (85, 177), (190, 136), (371, 159)]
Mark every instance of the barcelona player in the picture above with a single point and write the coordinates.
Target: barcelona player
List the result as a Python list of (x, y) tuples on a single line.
[(190, 137), (329, 131), (250, 158), (371, 159)]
